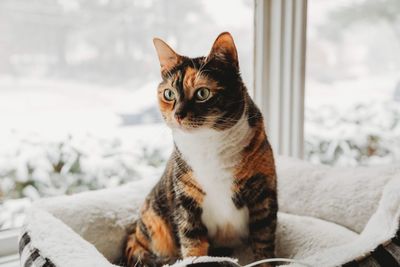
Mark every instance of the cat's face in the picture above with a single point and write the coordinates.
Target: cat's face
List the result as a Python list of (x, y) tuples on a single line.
[(204, 92)]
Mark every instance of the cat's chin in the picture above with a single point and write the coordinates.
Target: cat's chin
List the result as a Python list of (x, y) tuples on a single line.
[(186, 129), (183, 128)]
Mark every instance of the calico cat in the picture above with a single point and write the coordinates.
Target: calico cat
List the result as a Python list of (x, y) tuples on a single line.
[(218, 189)]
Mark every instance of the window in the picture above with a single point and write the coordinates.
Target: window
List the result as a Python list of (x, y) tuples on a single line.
[(77, 89), (352, 103), (77, 85)]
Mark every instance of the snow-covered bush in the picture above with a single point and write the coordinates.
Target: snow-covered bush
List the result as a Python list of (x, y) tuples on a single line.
[(365, 134), (32, 168)]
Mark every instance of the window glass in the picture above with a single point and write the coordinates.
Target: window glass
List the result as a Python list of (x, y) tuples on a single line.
[(352, 114), (78, 85)]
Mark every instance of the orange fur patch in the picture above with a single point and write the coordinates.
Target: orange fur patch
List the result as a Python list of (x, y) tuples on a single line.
[(256, 161), (201, 249), (192, 188), (134, 249), (161, 234), (189, 81)]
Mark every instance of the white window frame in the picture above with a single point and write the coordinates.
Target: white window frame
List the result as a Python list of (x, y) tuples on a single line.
[(279, 77), (9, 247), (279, 71)]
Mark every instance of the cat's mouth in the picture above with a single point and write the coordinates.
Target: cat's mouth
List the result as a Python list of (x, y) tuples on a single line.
[(185, 125)]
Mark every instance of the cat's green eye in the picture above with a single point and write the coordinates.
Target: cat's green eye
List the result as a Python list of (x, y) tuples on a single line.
[(169, 95), (203, 94)]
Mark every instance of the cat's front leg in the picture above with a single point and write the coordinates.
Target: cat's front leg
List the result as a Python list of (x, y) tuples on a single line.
[(262, 228), (259, 195), (192, 232)]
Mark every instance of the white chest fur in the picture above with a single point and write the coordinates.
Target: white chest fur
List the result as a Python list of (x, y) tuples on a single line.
[(213, 155)]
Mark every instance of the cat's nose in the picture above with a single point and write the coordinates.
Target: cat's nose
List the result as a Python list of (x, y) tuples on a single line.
[(179, 116)]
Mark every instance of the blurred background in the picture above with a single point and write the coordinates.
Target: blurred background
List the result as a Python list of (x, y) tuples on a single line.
[(352, 114), (78, 85)]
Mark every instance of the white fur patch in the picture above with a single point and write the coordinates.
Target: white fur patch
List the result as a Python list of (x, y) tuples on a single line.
[(213, 156)]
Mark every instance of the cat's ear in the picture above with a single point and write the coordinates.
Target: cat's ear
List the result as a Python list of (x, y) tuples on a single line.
[(167, 56), (224, 49)]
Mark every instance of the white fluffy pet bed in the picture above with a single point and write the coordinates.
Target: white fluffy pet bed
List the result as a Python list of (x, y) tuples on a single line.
[(328, 217)]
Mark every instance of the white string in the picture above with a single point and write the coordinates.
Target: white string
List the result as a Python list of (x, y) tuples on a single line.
[(275, 260)]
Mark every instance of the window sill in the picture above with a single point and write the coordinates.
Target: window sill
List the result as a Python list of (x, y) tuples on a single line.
[(9, 261), (9, 248)]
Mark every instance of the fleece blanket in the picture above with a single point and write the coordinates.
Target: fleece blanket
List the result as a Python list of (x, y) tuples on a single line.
[(327, 217)]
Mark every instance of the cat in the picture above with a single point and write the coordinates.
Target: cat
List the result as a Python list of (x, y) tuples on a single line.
[(218, 189)]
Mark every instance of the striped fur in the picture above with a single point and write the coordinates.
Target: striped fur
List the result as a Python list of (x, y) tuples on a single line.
[(219, 186)]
